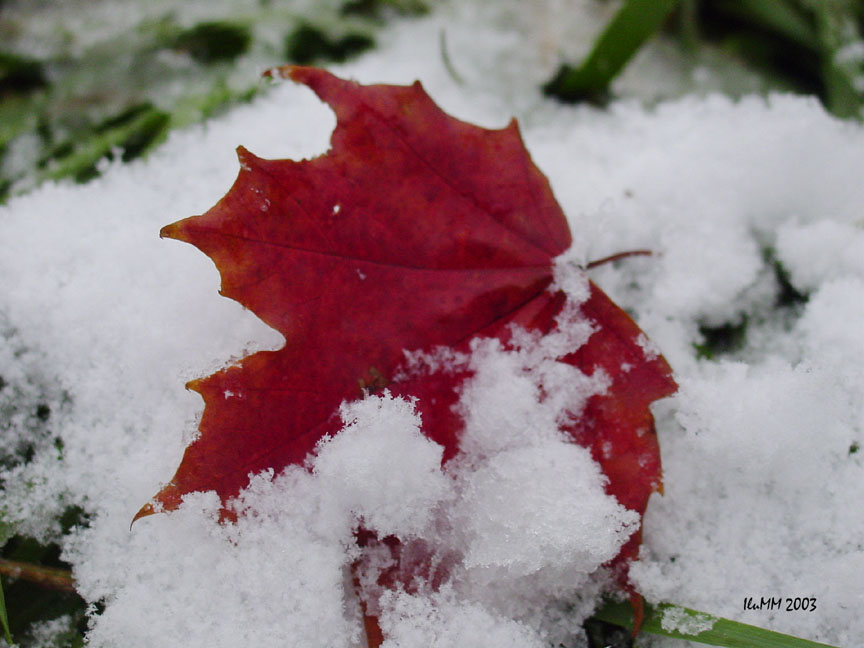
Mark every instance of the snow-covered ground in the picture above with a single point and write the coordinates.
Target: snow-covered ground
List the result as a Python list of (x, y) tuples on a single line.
[(763, 474)]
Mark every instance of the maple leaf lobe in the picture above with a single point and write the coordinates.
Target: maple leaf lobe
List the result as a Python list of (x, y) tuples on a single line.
[(414, 230)]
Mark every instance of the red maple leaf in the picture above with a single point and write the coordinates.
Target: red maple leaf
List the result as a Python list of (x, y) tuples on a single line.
[(414, 231)]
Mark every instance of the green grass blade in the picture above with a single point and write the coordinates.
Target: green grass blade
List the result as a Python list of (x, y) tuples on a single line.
[(4, 620), (634, 23), (779, 16), (837, 20), (131, 138), (724, 632), (688, 25)]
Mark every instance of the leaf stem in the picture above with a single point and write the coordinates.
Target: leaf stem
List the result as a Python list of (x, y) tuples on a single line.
[(616, 257), (374, 636), (47, 577)]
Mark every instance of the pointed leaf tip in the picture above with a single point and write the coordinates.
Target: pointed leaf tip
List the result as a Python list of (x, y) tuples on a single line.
[(170, 231), (246, 158), (303, 74), (145, 511), (296, 73)]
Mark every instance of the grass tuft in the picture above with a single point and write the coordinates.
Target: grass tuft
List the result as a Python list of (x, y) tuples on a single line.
[(635, 23)]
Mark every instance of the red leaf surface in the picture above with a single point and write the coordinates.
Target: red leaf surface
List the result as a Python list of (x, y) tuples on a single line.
[(414, 231)]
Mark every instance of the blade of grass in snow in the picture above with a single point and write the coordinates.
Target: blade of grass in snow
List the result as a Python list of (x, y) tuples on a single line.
[(4, 620), (836, 21), (716, 632), (634, 23), (132, 138), (688, 25)]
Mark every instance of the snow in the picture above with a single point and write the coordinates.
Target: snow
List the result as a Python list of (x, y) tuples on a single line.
[(537, 508), (379, 453), (504, 406), (763, 472), (440, 621), (187, 580)]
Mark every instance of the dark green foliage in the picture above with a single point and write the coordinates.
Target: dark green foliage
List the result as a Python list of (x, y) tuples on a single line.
[(74, 517), (601, 634), (123, 117), (147, 131), (20, 74), (787, 295), (122, 93), (133, 131), (782, 18), (719, 340), (88, 172), (27, 603), (569, 85), (793, 43), (23, 549), (375, 8), (782, 42), (308, 44), (361, 8), (210, 42), (353, 44), (43, 412)]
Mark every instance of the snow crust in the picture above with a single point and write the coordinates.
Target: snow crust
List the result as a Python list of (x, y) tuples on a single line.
[(763, 471)]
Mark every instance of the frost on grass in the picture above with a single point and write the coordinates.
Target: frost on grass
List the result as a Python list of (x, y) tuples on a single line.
[(676, 619)]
